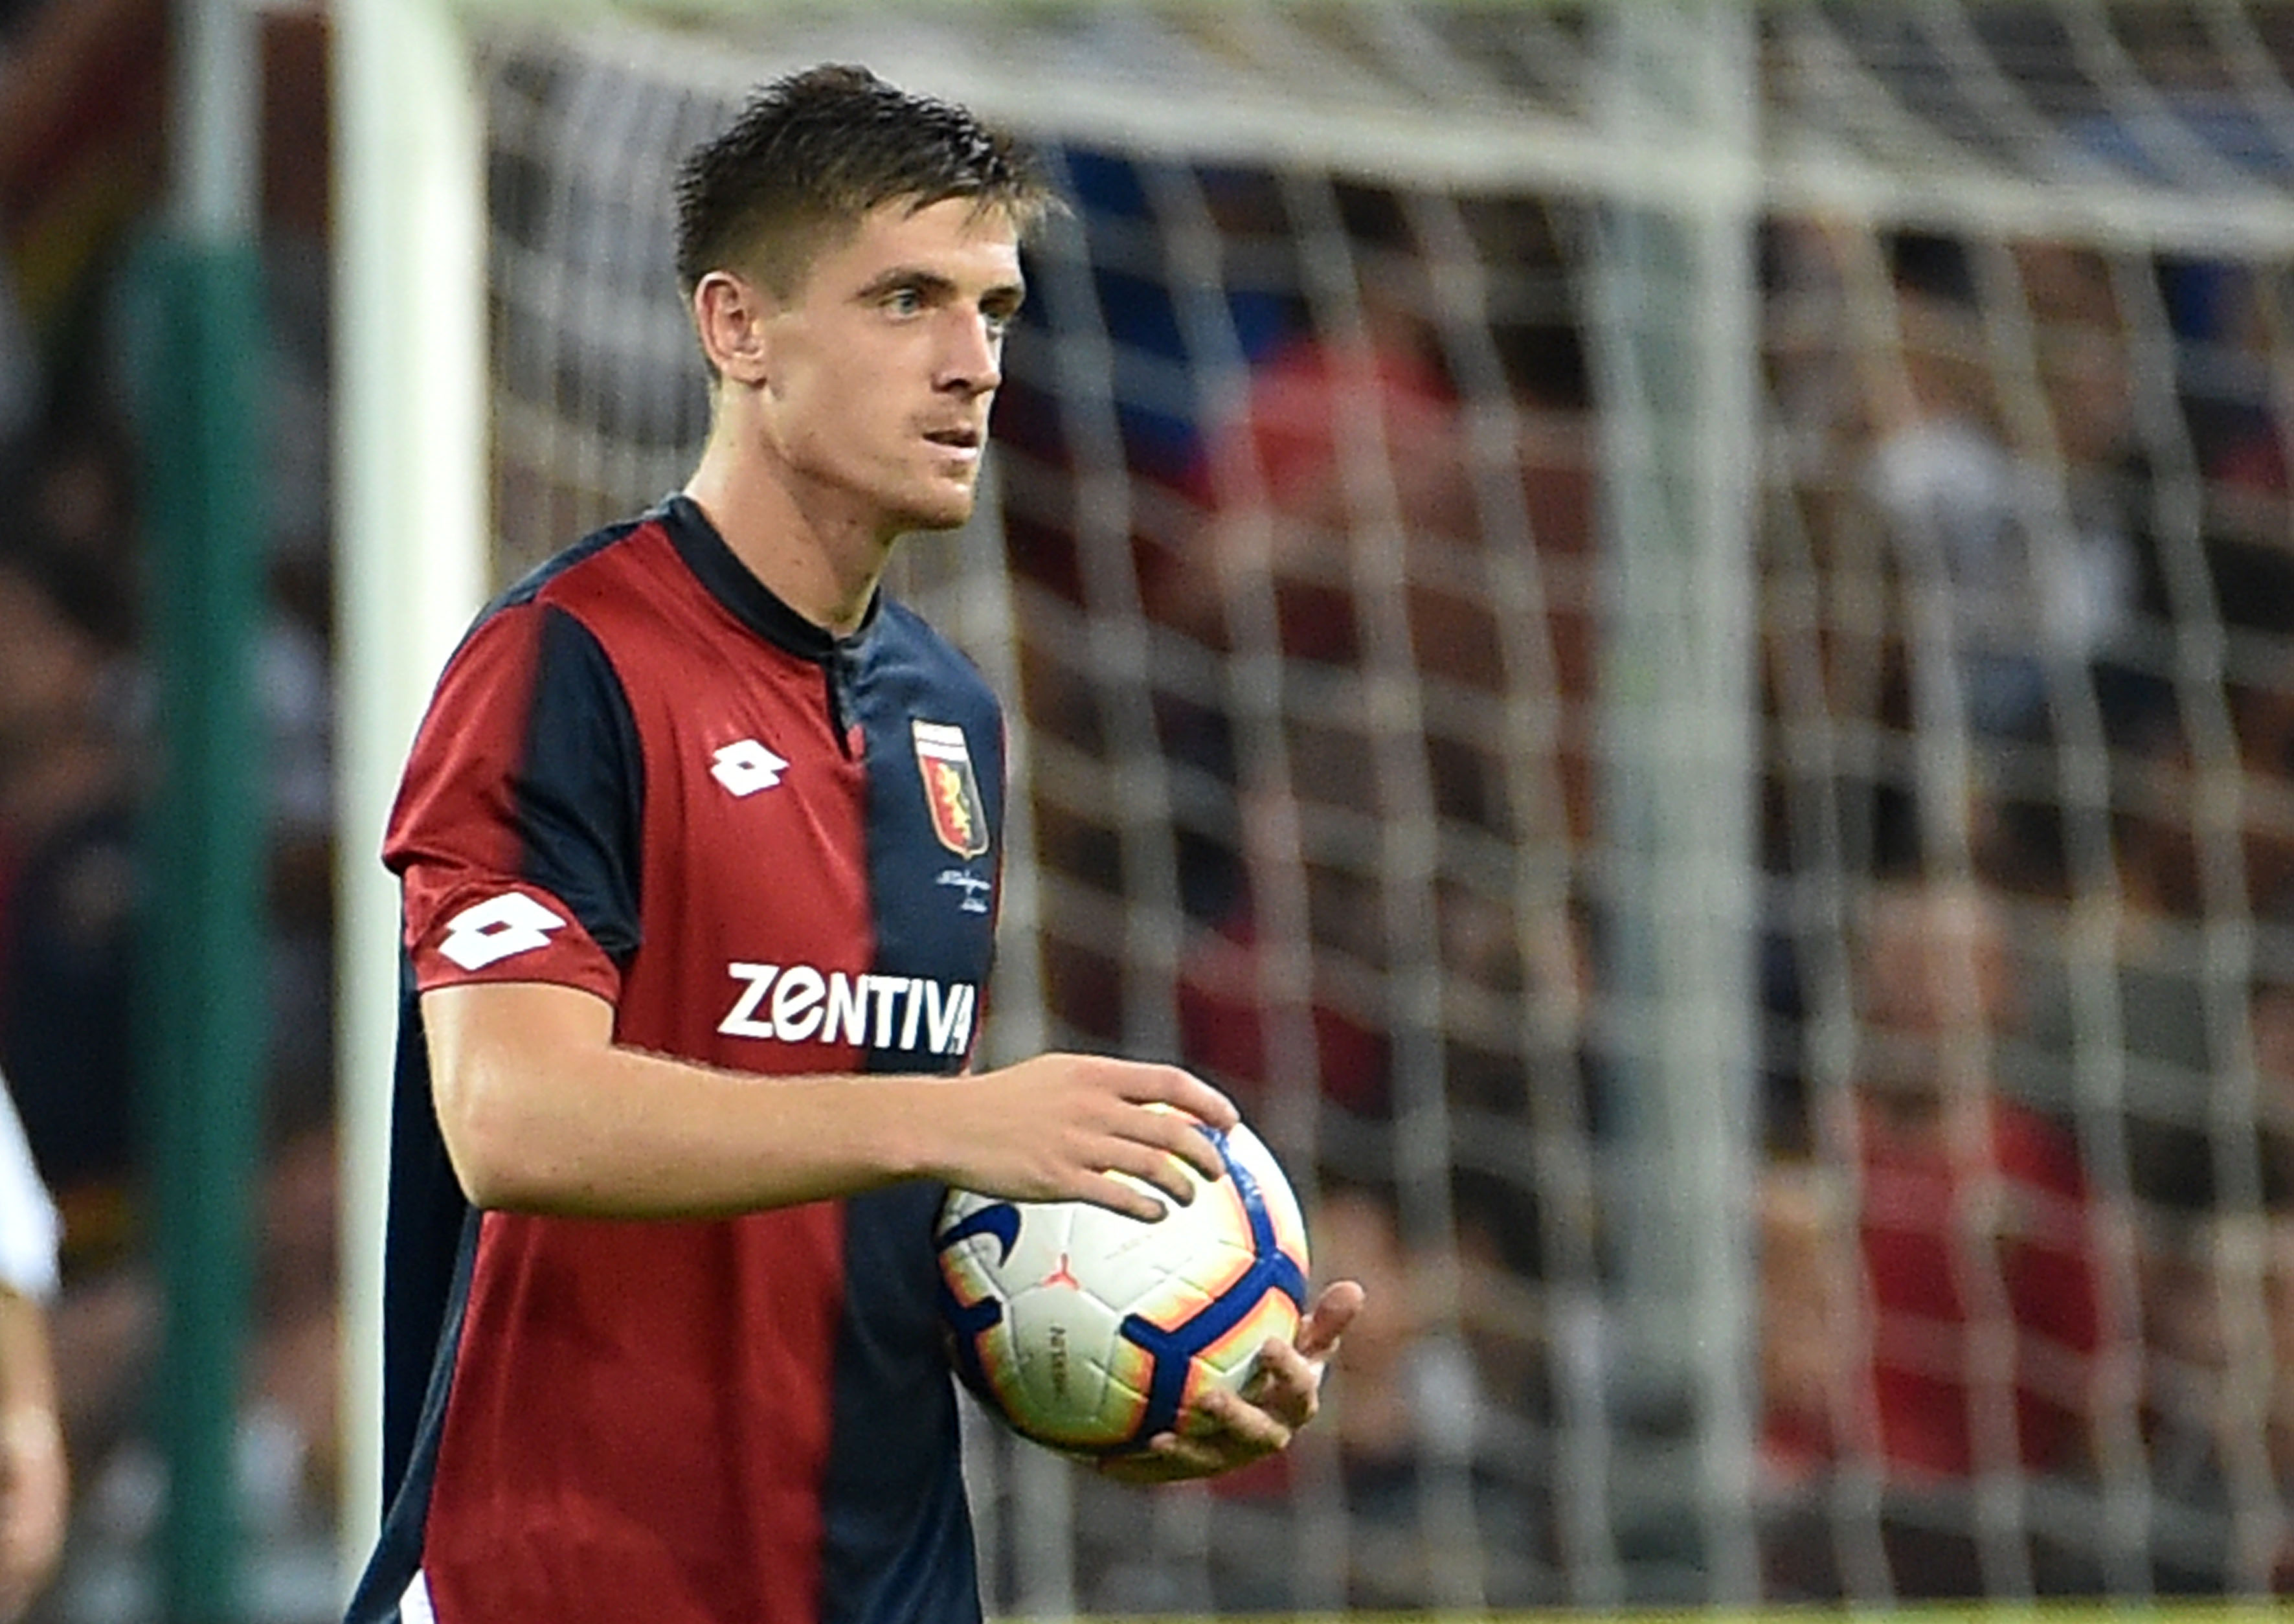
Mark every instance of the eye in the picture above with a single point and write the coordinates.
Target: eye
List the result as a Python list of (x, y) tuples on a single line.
[(904, 300)]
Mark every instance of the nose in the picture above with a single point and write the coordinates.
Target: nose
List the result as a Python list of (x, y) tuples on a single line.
[(973, 362)]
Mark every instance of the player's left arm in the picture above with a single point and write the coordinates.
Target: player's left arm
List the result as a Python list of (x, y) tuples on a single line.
[(1224, 1430)]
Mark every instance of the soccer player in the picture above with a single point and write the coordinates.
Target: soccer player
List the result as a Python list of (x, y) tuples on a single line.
[(699, 846)]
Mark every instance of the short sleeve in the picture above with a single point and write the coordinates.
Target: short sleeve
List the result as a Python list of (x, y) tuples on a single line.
[(515, 834)]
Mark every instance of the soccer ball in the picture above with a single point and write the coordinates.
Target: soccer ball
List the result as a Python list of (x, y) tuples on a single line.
[(1090, 1332)]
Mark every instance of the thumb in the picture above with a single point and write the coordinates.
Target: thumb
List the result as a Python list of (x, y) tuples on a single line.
[(1333, 1312)]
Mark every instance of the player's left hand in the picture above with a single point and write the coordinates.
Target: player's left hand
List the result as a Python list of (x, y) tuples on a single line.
[(1225, 1430)]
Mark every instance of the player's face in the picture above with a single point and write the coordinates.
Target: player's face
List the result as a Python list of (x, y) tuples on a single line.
[(883, 364)]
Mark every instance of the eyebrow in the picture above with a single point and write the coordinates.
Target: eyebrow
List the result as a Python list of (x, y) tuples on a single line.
[(939, 286)]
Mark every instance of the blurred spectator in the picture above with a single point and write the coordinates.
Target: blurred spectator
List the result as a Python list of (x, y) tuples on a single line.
[(83, 157), (1414, 1417), (2256, 1260), (69, 911), (73, 703), (1807, 1299), (1417, 1404), (2017, 518), (1394, 584), (82, 151), (2222, 1435), (2218, 1295), (1973, 1206), (1384, 613), (76, 491), (2175, 867), (1931, 1308), (34, 1473), (68, 904), (290, 1444)]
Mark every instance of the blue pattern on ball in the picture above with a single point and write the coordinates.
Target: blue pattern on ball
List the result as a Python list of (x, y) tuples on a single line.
[(1270, 1270)]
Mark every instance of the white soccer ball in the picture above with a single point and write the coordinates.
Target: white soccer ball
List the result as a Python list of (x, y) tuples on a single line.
[(1090, 1332)]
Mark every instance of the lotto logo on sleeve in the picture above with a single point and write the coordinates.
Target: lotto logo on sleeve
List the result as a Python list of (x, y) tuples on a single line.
[(498, 928)]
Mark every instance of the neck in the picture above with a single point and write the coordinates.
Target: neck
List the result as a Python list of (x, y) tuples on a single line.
[(808, 548)]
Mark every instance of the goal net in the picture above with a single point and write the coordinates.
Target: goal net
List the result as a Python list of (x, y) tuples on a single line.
[(1664, 634)]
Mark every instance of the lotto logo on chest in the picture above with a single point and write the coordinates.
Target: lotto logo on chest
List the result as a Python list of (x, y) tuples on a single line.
[(745, 766)]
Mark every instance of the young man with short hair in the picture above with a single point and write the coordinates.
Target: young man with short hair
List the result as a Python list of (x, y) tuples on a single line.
[(698, 845)]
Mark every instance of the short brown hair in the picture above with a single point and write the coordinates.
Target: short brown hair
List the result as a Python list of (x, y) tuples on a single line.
[(812, 153)]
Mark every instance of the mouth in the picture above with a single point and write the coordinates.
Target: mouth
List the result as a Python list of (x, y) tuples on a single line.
[(957, 438)]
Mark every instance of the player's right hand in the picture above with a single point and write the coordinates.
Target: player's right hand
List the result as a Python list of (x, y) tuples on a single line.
[(1059, 1127)]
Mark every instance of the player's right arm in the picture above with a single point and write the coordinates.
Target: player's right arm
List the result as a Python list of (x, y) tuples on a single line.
[(517, 835), (541, 1111)]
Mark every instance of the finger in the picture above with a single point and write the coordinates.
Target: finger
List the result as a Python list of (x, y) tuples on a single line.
[(1160, 1148), (1233, 1429), (1159, 1165), (1172, 1085), (1117, 1196), (1187, 1142), (1333, 1312), (1219, 1433), (1174, 1456), (1165, 1458), (1285, 1383)]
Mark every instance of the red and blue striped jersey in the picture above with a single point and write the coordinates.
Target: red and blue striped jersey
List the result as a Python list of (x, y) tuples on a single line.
[(770, 850)]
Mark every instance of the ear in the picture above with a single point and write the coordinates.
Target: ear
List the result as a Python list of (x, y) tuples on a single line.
[(729, 315)]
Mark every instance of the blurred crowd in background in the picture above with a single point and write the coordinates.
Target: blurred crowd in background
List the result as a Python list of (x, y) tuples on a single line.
[(2025, 843), (85, 157)]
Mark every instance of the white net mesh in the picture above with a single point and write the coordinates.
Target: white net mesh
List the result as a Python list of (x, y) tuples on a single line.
[(1312, 569)]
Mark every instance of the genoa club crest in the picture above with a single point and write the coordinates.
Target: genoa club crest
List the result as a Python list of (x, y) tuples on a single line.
[(959, 817)]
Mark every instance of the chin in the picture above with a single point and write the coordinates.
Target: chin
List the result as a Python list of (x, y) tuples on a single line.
[(950, 511)]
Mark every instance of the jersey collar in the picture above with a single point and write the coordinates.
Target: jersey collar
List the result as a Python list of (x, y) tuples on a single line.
[(746, 598)]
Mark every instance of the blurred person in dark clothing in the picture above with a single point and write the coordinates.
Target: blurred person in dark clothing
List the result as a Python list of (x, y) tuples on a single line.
[(2176, 872), (67, 885), (68, 933)]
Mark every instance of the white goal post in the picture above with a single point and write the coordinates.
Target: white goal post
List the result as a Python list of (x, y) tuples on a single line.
[(412, 563)]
